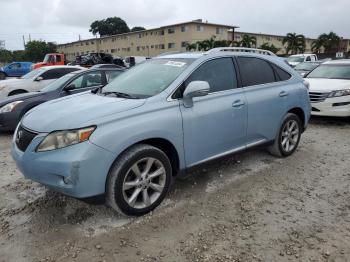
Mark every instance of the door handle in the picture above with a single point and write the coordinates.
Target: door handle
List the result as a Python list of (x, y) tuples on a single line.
[(238, 103), (283, 94)]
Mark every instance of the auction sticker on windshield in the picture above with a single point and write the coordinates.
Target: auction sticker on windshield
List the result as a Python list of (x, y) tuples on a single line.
[(175, 63)]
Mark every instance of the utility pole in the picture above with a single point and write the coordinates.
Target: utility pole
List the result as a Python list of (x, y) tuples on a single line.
[(79, 38), (24, 42), (30, 39)]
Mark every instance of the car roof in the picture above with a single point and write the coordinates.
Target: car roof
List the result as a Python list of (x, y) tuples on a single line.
[(338, 62), (300, 55), (62, 66)]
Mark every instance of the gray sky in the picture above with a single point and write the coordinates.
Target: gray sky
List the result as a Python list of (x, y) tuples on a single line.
[(63, 20)]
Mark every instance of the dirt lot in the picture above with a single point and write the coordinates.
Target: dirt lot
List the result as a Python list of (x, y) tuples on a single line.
[(250, 207)]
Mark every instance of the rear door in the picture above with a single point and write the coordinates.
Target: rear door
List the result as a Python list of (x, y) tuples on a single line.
[(216, 124), (267, 91)]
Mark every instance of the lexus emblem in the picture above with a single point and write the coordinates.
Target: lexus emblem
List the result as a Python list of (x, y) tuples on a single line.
[(19, 135)]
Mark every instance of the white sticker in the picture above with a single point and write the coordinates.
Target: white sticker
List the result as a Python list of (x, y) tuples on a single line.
[(175, 63)]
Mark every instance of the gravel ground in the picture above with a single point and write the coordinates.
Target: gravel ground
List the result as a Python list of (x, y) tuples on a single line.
[(249, 207)]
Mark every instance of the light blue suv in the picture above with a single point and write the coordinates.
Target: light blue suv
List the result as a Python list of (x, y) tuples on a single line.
[(130, 138)]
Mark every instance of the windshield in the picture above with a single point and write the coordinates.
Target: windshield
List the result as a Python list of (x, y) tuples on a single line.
[(149, 78), (33, 73), (57, 84), (295, 59), (331, 72), (306, 66)]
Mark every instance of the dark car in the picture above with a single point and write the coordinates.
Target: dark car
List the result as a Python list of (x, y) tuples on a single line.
[(13, 108)]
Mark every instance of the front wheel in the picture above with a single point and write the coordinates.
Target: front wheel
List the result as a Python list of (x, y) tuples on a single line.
[(2, 76), (139, 180), (288, 137)]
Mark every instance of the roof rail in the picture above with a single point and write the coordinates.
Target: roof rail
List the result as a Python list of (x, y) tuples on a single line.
[(240, 49)]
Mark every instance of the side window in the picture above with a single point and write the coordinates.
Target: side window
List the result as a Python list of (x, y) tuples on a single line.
[(87, 80), (255, 71), (281, 74), (110, 75), (308, 58), (219, 73), (51, 74), (58, 58)]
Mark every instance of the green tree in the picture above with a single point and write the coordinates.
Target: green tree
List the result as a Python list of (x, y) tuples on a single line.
[(329, 42), (270, 47), (5, 56), (36, 50), (137, 28), (294, 43), (109, 26), (247, 41), (191, 47), (222, 43)]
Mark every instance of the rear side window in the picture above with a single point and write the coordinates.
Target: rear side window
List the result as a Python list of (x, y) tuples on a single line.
[(255, 71), (219, 73), (281, 75), (57, 72), (110, 75)]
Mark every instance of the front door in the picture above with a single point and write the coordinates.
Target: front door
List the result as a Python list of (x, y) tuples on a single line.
[(216, 124)]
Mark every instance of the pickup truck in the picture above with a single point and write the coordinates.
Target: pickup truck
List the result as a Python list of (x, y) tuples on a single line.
[(15, 69), (294, 60), (50, 60)]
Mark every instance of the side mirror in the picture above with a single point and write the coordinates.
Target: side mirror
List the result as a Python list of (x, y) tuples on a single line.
[(39, 78), (69, 88), (195, 89)]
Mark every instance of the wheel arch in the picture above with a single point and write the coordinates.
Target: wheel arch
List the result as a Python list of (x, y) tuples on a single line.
[(17, 91), (300, 113)]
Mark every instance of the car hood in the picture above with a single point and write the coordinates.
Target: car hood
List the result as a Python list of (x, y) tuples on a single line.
[(20, 97), (76, 111), (327, 85)]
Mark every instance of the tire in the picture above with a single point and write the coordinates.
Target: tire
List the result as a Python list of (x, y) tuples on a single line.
[(128, 178), (17, 92), (287, 141), (2, 76)]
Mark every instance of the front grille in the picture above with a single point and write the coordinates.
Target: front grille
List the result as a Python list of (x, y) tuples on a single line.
[(316, 97), (24, 138)]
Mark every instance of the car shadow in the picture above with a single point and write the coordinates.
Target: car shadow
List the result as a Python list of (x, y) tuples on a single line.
[(330, 121)]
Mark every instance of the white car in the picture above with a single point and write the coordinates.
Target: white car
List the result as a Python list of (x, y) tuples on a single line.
[(294, 60), (330, 89), (35, 80)]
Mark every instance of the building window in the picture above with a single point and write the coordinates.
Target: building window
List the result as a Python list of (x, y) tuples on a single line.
[(92, 42), (112, 50), (171, 45), (171, 31), (184, 28), (200, 28), (138, 48), (219, 31), (184, 44), (152, 46), (140, 35), (128, 49), (87, 43), (161, 32), (161, 46)]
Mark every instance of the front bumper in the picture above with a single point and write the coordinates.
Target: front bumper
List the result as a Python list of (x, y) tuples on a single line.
[(84, 166), (337, 106), (9, 121)]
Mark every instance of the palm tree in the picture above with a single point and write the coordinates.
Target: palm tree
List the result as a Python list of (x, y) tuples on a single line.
[(247, 41), (270, 47), (191, 47), (207, 44), (295, 43), (330, 42)]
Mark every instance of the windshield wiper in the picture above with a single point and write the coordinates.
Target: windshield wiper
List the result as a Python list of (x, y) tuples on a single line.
[(120, 94)]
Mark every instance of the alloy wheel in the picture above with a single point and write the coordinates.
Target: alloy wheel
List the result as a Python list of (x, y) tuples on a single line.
[(290, 135)]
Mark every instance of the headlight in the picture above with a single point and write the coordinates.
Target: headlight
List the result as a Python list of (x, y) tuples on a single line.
[(9, 107), (61, 139), (339, 93)]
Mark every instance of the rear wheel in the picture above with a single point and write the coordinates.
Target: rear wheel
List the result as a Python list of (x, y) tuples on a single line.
[(288, 137), (139, 180), (2, 76)]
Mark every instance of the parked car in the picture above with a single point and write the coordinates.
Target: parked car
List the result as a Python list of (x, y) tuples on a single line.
[(15, 69), (306, 67), (330, 89), (34, 80), (13, 108), (157, 120), (53, 59), (294, 60)]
